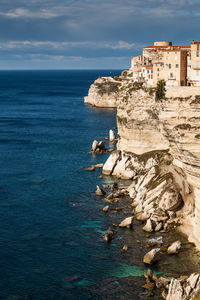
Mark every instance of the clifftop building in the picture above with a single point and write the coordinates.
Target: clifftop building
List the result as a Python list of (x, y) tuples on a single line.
[(177, 65)]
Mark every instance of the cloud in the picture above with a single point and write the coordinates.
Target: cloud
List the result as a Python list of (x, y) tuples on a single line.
[(25, 13), (120, 45), (93, 28)]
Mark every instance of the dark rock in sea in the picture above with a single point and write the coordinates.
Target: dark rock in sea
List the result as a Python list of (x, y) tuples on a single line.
[(107, 237)]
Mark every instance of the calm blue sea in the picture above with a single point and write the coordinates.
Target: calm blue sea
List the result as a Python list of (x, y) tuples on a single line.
[(51, 223)]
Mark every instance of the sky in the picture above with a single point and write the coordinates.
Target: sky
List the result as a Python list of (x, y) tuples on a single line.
[(90, 34)]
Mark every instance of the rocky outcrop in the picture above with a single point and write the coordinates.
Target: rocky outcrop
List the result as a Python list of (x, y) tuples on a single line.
[(103, 92), (146, 126)]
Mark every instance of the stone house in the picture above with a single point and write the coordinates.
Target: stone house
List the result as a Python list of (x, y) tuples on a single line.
[(177, 65)]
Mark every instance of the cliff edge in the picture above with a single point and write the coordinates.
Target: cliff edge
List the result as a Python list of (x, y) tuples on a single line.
[(171, 124)]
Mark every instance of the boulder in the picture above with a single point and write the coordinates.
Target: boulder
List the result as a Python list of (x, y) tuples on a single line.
[(174, 247), (192, 280), (158, 227), (100, 191), (107, 237), (123, 168), (98, 166), (106, 208), (148, 227), (151, 162), (126, 222), (152, 256), (94, 146), (101, 146), (111, 162), (175, 290), (111, 135), (171, 200), (142, 216), (125, 248)]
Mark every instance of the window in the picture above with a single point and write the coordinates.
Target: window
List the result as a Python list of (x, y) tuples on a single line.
[(197, 72), (197, 54), (170, 66), (158, 69), (197, 64), (158, 74), (177, 65), (197, 47)]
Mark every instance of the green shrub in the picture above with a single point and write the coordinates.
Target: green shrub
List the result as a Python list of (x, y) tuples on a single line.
[(160, 90)]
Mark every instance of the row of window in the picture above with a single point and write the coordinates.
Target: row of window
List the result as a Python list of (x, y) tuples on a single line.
[(169, 66)]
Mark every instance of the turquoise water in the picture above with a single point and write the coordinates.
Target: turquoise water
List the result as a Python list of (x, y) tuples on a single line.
[(51, 223)]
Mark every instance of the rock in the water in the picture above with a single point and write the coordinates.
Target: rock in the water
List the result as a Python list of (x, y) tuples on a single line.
[(100, 191), (175, 290), (126, 222), (98, 166), (125, 248), (123, 168), (148, 227), (92, 168), (106, 208), (107, 237), (94, 145), (101, 145), (152, 256), (111, 162), (174, 248), (111, 135)]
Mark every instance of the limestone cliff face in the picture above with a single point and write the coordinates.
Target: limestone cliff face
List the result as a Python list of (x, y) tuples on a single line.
[(174, 123)]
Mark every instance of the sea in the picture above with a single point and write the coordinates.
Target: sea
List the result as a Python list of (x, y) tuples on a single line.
[(51, 222)]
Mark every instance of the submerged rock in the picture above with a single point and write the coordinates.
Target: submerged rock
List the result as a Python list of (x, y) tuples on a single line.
[(92, 168)]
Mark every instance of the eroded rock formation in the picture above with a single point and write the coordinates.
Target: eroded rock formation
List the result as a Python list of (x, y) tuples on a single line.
[(171, 127)]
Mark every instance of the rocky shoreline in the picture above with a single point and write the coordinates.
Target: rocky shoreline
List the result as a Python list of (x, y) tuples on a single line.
[(154, 200), (158, 152)]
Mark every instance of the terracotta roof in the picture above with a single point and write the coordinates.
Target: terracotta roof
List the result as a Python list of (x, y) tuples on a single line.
[(157, 47), (145, 66), (195, 42)]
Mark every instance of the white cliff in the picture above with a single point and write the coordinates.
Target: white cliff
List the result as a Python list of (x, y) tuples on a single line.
[(146, 127)]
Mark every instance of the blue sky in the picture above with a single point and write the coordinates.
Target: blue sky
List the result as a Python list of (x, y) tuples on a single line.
[(90, 34)]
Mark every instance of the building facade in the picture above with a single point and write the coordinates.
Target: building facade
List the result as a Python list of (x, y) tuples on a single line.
[(177, 65)]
